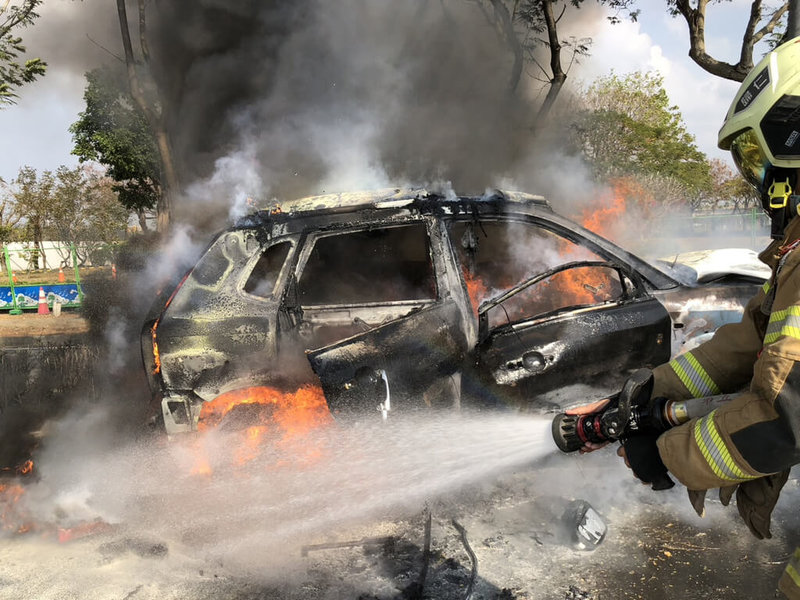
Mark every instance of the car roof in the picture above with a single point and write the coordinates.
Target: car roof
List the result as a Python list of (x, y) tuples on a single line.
[(425, 201), (391, 198)]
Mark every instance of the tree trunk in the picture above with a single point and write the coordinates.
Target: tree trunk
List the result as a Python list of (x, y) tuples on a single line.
[(559, 77), (142, 220)]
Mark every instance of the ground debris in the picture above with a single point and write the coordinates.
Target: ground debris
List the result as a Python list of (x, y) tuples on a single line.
[(575, 593), (138, 546)]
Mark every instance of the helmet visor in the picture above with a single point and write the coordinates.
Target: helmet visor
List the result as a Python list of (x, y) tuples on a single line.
[(750, 159)]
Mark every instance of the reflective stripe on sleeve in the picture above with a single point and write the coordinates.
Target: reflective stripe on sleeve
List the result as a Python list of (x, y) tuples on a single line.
[(765, 287), (694, 376), (793, 567), (715, 452), (783, 323)]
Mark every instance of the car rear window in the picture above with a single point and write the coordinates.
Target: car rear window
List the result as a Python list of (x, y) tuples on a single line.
[(265, 274), (388, 264)]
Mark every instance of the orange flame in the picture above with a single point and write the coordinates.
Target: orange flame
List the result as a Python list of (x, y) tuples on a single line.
[(285, 418), (600, 219), (476, 289), (589, 286), (156, 354), (577, 286), (11, 519), (25, 468)]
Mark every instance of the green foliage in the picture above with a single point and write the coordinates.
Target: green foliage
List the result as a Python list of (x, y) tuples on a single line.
[(75, 206), (627, 126), (114, 132), (13, 72)]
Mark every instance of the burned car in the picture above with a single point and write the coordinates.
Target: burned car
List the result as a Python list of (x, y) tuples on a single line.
[(408, 299)]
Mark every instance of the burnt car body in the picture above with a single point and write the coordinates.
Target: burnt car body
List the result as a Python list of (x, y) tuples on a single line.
[(408, 299)]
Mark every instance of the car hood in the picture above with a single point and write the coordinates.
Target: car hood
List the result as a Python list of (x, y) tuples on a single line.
[(703, 266)]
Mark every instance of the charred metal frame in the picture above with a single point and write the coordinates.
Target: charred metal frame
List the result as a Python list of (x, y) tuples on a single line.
[(425, 349)]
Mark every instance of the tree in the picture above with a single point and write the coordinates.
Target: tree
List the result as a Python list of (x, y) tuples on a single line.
[(528, 26), (146, 96), (627, 126), (114, 132), (13, 73), (84, 211), (9, 216), (694, 12), (730, 190), (33, 196), (74, 206)]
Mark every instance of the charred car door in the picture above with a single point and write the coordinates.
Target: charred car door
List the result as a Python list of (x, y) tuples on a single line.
[(219, 326), (552, 313), (388, 327)]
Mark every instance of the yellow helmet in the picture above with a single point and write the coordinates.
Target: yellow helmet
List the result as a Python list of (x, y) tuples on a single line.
[(762, 127)]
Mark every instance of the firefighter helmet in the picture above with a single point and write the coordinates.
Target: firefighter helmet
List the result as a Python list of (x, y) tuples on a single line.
[(762, 127)]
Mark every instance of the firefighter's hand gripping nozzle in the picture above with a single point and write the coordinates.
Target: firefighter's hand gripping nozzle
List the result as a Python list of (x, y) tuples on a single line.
[(630, 412)]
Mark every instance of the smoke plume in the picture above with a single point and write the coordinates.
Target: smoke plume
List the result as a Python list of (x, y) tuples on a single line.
[(308, 97)]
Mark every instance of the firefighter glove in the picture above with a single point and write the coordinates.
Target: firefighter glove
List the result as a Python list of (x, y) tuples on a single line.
[(756, 499), (644, 460), (698, 498)]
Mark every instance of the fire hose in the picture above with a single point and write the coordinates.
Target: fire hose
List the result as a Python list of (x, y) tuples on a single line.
[(629, 413)]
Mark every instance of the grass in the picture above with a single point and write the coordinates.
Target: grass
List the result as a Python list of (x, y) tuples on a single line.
[(50, 276)]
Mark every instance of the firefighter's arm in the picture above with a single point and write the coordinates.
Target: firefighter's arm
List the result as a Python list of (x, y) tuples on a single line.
[(758, 433), (721, 365)]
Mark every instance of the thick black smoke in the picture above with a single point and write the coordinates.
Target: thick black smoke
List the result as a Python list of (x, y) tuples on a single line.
[(315, 95)]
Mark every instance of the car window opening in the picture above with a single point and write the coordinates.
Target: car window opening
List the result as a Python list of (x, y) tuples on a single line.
[(391, 264), (574, 288), (497, 255), (265, 274)]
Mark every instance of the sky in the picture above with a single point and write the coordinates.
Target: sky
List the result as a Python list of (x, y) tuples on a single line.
[(74, 36)]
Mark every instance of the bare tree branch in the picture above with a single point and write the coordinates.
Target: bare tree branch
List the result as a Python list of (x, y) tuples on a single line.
[(695, 20)]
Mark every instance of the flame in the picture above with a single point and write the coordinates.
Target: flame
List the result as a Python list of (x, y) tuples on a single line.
[(576, 286), (624, 196), (68, 534), (156, 355), (600, 219), (590, 286), (286, 418), (476, 289), (202, 466), (11, 518), (25, 468), (294, 412)]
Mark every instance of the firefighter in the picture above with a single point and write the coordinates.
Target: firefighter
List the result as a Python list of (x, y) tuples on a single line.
[(748, 446)]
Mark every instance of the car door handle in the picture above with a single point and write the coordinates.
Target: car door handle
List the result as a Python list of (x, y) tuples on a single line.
[(533, 362)]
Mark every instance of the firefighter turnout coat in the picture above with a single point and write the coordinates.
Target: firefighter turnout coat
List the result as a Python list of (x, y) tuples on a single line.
[(758, 432)]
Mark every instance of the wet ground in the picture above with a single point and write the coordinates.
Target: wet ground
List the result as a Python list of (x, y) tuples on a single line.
[(502, 537), (32, 328), (516, 544)]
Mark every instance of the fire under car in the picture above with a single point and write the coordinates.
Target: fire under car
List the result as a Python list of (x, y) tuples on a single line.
[(408, 300)]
